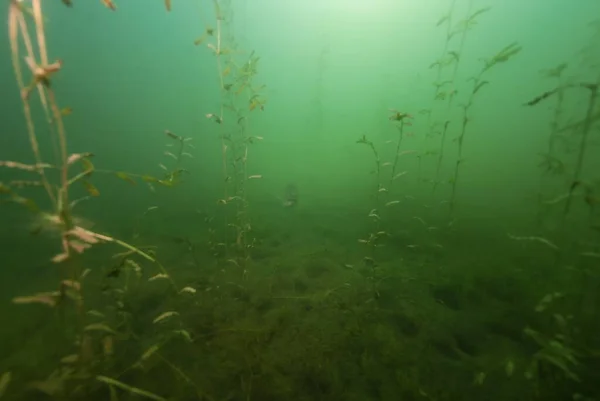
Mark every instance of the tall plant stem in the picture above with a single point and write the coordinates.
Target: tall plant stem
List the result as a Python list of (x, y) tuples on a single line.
[(222, 89), (218, 53), (551, 151), (378, 171), (374, 236), (445, 50), (463, 38), (437, 88), (400, 129), (438, 166), (461, 140), (587, 128), (16, 25)]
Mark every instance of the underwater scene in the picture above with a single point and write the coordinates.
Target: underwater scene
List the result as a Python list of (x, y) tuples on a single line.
[(318, 200)]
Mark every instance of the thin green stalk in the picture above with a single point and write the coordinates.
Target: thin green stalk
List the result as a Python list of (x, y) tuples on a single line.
[(400, 129), (502, 56), (371, 242), (587, 128), (451, 97), (555, 126)]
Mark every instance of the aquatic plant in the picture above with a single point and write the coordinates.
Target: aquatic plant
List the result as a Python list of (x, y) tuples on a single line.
[(559, 348), (383, 195), (551, 162), (449, 58), (172, 175), (376, 236), (585, 132), (440, 64), (400, 121), (239, 97), (502, 56), (92, 327)]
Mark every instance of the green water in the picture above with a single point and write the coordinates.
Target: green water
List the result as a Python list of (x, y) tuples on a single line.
[(355, 200)]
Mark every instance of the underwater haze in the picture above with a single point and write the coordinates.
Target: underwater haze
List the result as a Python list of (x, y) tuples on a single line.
[(300, 200)]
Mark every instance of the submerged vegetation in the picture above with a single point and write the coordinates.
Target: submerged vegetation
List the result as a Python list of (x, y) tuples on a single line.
[(258, 302)]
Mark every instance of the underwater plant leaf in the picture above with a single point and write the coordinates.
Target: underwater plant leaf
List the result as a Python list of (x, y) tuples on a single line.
[(159, 276), (75, 157), (70, 359), (164, 316), (443, 19), (130, 389), (503, 55), (24, 184), (509, 367), (401, 174), (198, 41), (125, 177), (480, 85), (95, 313), (218, 13), (557, 361), (188, 290), (45, 298), (167, 153), (555, 72), (541, 97), (540, 240), (508, 52), (4, 381), (88, 166), (455, 55), (173, 136), (552, 165), (241, 89), (166, 183), (186, 335), (90, 188), (478, 13), (148, 353), (547, 300), (22, 166), (113, 393), (149, 178), (441, 84), (28, 203), (363, 139), (110, 5), (61, 257), (99, 327)]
